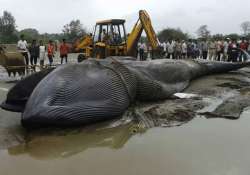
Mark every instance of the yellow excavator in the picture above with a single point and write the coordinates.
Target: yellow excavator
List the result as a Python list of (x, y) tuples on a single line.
[(110, 38)]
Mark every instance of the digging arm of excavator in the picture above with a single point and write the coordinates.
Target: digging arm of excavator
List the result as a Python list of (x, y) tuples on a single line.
[(143, 23), (86, 42)]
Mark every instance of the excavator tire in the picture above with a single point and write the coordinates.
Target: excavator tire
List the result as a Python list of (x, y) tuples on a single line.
[(99, 52), (81, 58)]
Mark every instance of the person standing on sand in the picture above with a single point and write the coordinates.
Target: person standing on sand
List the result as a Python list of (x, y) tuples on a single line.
[(233, 51), (22, 46), (64, 49), (178, 47), (141, 51), (51, 50), (212, 50), (243, 46), (225, 50), (204, 49), (219, 50), (34, 54), (164, 46), (248, 47), (42, 51), (171, 49), (184, 50)]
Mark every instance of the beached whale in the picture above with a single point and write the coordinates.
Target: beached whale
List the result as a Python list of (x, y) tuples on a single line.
[(98, 90)]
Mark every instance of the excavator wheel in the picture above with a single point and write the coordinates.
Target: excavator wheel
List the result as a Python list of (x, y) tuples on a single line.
[(81, 58), (99, 52)]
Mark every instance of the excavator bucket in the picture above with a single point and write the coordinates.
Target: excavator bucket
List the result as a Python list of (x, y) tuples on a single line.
[(13, 62), (143, 23)]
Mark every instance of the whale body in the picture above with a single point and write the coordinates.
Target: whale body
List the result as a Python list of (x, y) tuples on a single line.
[(98, 90)]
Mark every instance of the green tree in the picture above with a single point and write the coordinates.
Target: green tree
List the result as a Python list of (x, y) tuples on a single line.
[(248, 36), (51, 36), (73, 30), (8, 32), (218, 37), (203, 32), (233, 36), (30, 34), (245, 27), (172, 34)]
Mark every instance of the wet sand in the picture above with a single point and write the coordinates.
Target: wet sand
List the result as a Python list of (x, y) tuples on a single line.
[(205, 134)]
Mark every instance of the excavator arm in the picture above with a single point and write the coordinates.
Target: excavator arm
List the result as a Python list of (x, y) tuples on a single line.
[(86, 42), (143, 23), (134, 37)]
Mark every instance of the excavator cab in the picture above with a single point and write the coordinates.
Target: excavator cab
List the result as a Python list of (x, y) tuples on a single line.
[(110, 38)]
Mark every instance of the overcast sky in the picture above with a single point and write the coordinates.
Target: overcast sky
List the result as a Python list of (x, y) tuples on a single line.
[(221, 16)]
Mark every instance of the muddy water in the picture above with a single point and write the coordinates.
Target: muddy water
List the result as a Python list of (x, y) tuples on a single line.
[(198, 146)]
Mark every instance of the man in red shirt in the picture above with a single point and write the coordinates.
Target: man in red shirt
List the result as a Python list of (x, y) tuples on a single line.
[(243, 46), (64, 49), (50, 50)]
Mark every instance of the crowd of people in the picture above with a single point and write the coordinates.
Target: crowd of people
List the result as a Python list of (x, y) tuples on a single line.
[(39, 51), (219, 50)]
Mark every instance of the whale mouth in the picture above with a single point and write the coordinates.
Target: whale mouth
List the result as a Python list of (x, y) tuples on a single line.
[(17, 106)]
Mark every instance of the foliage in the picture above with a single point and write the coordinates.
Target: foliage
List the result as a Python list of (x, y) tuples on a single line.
[(73, 30), (233, 36), (218, 37), (203, 32), (245, 27), (29, 34), (8, 32), (172, 34), (248, 36), (54, 36)]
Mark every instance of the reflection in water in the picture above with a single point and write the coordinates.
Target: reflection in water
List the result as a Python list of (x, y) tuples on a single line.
[(58, 143)]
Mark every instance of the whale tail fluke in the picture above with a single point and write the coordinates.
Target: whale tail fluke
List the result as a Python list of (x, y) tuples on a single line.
[(216, 67)]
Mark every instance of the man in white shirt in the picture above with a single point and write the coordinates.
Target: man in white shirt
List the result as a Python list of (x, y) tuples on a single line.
[(142, 49), (164, 46), (225, 50), (22, 46), (171, 48), (184, 50)]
